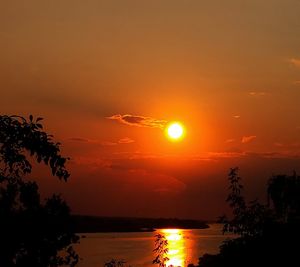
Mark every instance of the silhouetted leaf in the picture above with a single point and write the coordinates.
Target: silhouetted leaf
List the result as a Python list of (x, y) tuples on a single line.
[(32, 233)]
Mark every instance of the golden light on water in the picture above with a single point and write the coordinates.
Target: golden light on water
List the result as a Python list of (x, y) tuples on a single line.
[(176, 246)]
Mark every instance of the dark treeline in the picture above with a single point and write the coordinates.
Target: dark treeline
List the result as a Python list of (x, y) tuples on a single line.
[(92, 224)]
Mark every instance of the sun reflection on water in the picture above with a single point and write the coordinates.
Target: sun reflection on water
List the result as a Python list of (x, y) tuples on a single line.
[(176, 247)]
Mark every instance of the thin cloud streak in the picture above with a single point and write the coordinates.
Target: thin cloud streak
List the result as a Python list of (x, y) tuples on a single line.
[(126, 140), (295, 61), (140, 121), (257, 94), (248, 139), (90, 141)]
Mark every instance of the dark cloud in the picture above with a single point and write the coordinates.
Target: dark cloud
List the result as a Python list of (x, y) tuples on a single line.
[(140, 121)]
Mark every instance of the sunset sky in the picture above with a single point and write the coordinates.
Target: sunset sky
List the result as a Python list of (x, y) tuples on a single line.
[(108, 76)]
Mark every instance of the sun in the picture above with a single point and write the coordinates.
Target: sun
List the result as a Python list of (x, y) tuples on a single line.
[(175, 131)]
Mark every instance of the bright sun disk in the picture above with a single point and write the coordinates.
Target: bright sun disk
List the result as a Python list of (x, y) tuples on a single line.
[(175, 131)]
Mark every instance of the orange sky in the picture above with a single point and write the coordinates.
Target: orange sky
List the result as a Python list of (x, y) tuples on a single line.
[(228, 70)]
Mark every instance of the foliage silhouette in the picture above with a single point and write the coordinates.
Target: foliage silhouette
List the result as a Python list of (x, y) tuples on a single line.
[(265, 239), (284, 195), (33, 233), (161, 250), (248, 219), (115, 263)]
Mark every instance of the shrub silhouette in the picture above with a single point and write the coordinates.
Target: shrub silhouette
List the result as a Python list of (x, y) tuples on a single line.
[(284, 195), (161, 250), (33, 233), (268, 234), (116, 263)]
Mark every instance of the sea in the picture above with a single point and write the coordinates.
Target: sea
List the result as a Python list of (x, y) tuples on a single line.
[(136, 249)]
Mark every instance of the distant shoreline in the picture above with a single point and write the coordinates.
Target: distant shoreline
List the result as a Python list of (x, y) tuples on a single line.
[(94, 224)]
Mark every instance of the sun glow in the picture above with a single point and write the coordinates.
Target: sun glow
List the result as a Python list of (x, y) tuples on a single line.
[(176, 247), (175, 131)]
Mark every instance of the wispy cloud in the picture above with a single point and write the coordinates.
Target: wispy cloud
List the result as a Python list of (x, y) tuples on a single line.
[(294, 145), (92, 163), (140, 121), (230, 140), (125, 140), (90, 141), (295, 61), (278, 144), (248, 139), (275, 155), (107, 143), (219, 155), (78, 139), (257, 93)]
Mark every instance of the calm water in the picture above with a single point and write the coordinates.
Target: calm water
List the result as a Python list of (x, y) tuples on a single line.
[(185, 246)]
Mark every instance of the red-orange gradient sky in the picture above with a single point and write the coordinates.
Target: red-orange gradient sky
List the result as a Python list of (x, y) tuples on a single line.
[(108, 75)]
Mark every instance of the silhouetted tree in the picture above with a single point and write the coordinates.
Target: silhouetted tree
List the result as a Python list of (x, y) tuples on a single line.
[(32, 233), (262, 240), (161, 250), (284, 193), (248, 219)]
